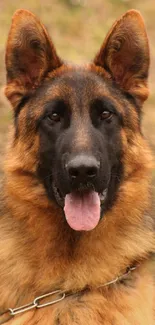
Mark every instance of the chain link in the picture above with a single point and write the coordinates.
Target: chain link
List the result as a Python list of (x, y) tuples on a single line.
[(61, 294)]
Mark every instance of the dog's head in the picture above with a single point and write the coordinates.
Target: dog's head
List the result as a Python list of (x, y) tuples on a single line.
[(76, 127)]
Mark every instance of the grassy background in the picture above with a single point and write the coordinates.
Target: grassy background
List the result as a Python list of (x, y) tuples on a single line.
[(78, 28)]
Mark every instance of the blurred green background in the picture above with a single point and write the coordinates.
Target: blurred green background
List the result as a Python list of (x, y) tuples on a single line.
[(77, 28)]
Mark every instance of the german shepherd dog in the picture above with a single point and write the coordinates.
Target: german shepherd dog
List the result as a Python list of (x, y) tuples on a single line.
[(75, 232)]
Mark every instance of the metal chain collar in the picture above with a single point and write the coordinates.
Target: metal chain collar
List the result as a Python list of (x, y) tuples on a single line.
[(58, 296)]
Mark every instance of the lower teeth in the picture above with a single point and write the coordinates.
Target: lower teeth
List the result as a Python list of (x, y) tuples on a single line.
[(103, 196)]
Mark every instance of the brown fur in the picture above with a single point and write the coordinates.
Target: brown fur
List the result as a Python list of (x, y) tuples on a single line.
[(38, 257)]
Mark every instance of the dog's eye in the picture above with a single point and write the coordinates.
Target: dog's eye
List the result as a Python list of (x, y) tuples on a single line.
[(106, 115), (54, 117)]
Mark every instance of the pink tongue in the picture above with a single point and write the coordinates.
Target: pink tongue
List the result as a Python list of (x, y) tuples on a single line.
[(82, 211)]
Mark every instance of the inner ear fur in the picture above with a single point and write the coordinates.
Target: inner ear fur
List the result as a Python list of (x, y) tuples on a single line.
[(125, 55), (30, 55)]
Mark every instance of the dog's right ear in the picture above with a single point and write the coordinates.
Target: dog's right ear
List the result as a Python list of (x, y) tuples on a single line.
[(30, 55)]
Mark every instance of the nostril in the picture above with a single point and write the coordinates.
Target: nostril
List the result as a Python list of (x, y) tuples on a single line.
[(73, 172), (91, 172)]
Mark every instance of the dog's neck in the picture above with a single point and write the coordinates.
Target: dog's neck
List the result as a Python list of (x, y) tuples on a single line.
[(48, 255)]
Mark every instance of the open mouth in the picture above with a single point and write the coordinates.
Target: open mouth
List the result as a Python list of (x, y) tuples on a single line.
[(82, 209)]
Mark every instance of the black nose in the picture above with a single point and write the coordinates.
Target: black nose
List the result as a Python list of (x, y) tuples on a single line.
[(83, 168)]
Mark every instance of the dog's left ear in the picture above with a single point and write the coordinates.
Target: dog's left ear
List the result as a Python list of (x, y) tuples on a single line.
[(30, 55), (125, 55)]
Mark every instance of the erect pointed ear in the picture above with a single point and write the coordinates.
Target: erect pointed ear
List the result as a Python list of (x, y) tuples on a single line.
[(125, 55), (30, 55)]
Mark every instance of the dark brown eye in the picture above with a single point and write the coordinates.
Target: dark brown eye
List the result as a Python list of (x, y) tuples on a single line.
[(54, 117), (106, 115)]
